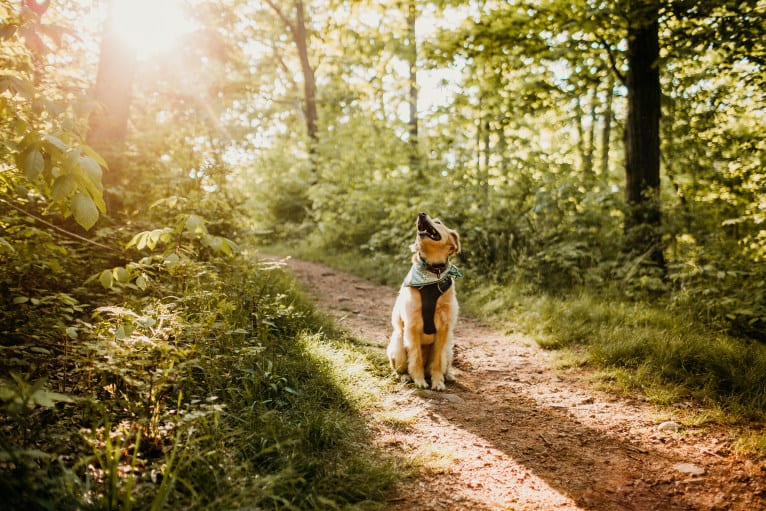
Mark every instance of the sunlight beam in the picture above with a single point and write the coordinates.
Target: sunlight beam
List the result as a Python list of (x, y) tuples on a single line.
[(150, 27)]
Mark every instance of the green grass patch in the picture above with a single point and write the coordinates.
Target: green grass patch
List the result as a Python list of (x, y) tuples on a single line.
[(218, 388), (644, 347)]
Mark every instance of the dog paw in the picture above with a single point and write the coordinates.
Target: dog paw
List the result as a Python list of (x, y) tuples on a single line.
[(404, 378), (420, 383), (437, 384)]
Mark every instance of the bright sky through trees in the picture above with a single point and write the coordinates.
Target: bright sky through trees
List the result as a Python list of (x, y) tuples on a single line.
[(150, 26)]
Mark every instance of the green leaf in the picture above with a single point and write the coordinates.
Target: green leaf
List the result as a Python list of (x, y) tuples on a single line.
[(92, 169), (195, 224), (49, 399), (106, 279), (171, 260), (139, 240), (121, 275), (56, 142), (141, 283), (62, 187), (84, 210), (20, 299), (93, 154), (33, 164), (71, 332)]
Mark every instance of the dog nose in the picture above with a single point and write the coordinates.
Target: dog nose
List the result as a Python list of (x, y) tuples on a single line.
[(422, 215)]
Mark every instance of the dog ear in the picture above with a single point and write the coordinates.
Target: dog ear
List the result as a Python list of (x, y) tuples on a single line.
[(454, 239)]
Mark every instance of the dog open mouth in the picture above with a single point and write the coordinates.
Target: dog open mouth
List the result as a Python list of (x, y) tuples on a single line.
[(425, 229)]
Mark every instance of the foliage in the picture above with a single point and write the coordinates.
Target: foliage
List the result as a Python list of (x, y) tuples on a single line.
[(525, 157), (146, 363), (43, 155), (175, 397)]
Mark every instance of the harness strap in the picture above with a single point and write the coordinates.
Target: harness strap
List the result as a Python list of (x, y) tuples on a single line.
[(429, 295)]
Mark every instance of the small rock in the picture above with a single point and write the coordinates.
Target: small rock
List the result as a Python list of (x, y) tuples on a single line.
[(720, 502), (669, 427), (452, 398), (441, 396), (689, 468)]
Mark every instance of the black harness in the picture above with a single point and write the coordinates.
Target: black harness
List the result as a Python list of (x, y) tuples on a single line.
[(429, 295), (430, 290)]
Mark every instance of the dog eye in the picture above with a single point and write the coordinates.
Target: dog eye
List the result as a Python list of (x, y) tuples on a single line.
[(437, 221)]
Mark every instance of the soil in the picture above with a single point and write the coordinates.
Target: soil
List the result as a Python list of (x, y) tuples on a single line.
[(517, 431)]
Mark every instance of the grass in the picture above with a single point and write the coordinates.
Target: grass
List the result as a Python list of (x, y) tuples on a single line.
[(220, 388), (641, 347)]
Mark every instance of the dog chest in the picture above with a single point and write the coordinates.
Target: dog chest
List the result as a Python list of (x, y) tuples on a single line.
[(429, 296)]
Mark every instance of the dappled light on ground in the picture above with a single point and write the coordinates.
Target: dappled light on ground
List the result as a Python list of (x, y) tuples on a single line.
[(515, 433)]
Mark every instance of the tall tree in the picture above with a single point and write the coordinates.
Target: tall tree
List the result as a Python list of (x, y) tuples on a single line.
[(606, 132), (642, 130), (412, 58), (113, 90), (299, 34)]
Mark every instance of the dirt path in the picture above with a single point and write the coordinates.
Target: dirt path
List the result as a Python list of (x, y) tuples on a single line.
[(514, 433)]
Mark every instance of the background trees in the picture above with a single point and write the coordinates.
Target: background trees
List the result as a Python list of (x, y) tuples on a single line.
[(523, 121)]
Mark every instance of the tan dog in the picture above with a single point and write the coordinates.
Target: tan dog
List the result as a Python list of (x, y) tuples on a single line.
[(426, 309)]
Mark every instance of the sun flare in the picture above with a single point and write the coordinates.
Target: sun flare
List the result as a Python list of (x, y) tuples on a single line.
[(150, 27)]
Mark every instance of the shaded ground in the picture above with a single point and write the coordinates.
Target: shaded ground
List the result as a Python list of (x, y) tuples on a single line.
[(514, 433)]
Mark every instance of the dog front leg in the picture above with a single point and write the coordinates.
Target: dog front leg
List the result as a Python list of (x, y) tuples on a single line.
[(439, 360), (449, 356), (414, 356), (397, 354)]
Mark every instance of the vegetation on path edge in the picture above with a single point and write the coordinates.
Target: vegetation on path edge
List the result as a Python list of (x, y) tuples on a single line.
[(222, 390)]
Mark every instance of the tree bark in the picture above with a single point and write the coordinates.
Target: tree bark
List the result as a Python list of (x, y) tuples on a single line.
[(606, 134), (642, 132), (412, 57), (589, 171), (113, 93), (309, 79), (299, 36)]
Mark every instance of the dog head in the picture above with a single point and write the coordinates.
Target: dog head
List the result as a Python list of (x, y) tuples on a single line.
[(435, 242)]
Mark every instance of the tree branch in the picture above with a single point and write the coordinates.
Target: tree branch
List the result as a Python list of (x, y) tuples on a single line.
[(60, 229), (612, 61)]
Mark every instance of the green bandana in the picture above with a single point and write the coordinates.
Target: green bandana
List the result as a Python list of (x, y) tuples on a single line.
[(420, 275)]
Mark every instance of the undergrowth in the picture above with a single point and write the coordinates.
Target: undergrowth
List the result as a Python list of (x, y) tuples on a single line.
[(216, 387), (654, 347)]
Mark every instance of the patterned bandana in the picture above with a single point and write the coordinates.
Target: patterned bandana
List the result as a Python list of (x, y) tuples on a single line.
[(420, 274)]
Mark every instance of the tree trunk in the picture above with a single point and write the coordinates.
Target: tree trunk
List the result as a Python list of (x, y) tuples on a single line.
[(412, 57), (309, 79), (113, 92), (606, 134), (642, 132), (299, 35), (589, 172), (580, 131)]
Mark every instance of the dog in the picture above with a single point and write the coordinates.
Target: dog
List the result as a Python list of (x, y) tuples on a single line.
[(426, 309)]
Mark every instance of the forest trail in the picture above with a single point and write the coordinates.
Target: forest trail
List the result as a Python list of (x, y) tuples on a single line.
[(515, 433)]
